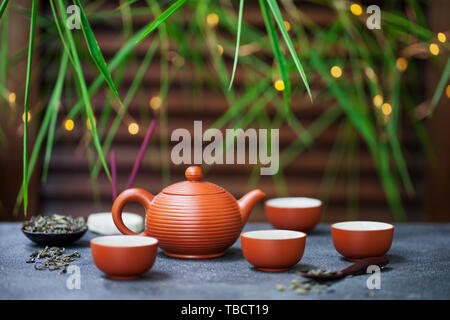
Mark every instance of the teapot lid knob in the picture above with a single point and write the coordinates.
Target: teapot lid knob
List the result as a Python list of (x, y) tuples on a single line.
[(194, 173)]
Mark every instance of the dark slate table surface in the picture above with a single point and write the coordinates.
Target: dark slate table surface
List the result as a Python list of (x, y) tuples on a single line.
[(419, 269)]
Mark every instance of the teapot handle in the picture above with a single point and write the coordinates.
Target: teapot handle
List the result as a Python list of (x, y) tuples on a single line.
[(133, 194)]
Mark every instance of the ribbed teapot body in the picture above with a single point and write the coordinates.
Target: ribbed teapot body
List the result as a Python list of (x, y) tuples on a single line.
[(194, 226)]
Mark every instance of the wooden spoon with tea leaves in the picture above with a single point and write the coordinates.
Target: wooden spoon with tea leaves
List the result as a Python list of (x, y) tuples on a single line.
[(358, 267)]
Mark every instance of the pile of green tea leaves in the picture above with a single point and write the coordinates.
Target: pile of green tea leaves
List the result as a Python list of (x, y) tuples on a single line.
[(307, 287), (55, 224), (54, 259)]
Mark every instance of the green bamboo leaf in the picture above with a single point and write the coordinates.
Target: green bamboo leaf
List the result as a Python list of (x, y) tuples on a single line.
[(59, 29), (395, 95), (421, 20), (365, 128), (182, 38), (3, 7), (279, 19), (117, 60), (95, 51), (398, 156), (440, 87), (27, 95), (363, 125), (392, 129), (126, 4), (42, 21), (108, 105), (127, 24), (252, 34), (18, 55), (392, 125), (354, 183), (4, 52), (163, 91), (255, 109), (51, 111), (333, 165), (54, 105), (94, 182), (389, 183), (405, 25), (128, 98), (83, 88), (249, 96), (419, 129), (295, 124), (275, 42), (113, 13), (315, 129), (49, 146), (161, 18), (238, 40), (211, 41), (357, 83)]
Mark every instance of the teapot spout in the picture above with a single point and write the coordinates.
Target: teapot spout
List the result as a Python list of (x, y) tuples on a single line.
[(247, 202)]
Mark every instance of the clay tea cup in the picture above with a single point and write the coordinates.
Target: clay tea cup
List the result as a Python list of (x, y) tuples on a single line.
[(357, 240), (124, 257), (294, 213), (273, 250)]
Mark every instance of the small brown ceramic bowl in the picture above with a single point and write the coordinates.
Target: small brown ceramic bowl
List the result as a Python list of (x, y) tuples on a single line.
[(294, 213), (357, 240), (273, 250), (124, 257)]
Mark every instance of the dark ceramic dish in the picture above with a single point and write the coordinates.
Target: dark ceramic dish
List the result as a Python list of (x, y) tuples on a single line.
[(54, 239)]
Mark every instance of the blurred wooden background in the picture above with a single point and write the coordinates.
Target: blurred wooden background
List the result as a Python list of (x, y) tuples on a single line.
[(68, 189)]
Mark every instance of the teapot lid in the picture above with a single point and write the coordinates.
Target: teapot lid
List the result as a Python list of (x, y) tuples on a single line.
[(193, 186)]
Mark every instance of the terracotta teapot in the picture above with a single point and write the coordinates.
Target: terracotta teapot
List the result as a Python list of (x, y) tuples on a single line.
[(191, 219)]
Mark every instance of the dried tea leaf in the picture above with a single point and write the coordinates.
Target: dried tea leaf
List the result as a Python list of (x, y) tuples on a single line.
[(55, 224), (55, 259), (280, 287), (309, 286)]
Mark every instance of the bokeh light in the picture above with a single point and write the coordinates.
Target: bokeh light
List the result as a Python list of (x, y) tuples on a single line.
[(155, 102), (212, 19), (336, 72), (220, 49), (287, 25), (378, 100), (29, 116), (401, 64), (386, 109), (356, 9), (370, 73), (12, 97), (434, 49), (69, 125), (133, 128), (279, 85)]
